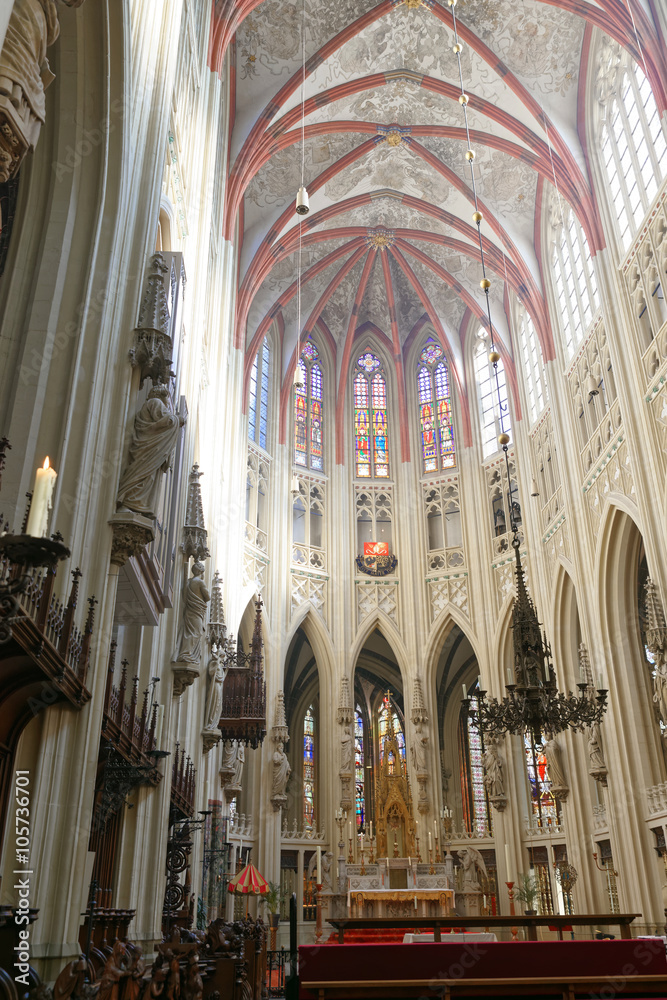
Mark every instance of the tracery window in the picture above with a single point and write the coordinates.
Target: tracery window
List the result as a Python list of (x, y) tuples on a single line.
[(494, 413), (435, 410), (258, 401), (309, 769), (389, 724), (533, 366), (370, 419), (545, 808), (634, 151), (359, 766), (574, 276), (308, 426), (476, 812)]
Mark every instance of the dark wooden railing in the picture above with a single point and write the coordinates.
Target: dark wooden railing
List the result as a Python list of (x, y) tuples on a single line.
[(183, 775), (130, 732)]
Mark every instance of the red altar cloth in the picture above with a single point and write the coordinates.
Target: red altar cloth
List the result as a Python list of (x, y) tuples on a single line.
[(614, 961)]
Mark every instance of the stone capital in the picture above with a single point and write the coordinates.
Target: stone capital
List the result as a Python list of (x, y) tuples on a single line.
[(131, 533)]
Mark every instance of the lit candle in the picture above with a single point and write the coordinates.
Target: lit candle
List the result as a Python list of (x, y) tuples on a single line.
[(429, 840), (371, 829), (349, 830), (509, 676), (594, 845), (465, 691), (507, 862), (40, 504), (361, 839), (319, 866), (415, 902), (409, 862)]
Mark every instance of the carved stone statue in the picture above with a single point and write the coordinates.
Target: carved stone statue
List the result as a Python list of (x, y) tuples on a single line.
[(24, 76), (216, 672), (660, 687), (154, 438), (327, 860), (493, 774), (233, 760), (419, 755), (559, 786), (194, 611), (597, 767), (472, 863), (281, 772), (346, 751)]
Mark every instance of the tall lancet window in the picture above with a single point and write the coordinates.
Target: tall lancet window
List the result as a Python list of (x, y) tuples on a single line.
[(533, 366), (359, 769), (370, 419), (435, 410), (258, 400), (308, 426), (633, 147), (476, 812), (574, 276), (494, 413), (309, 769)]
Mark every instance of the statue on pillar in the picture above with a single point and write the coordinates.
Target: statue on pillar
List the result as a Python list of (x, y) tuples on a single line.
[(281, 772), (216, 672), (597, 767), (194, 611), (559, 786), (154, 438), (419, 750), (493, 773)]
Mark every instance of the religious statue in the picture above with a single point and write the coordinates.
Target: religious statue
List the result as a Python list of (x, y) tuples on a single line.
[(233, 760), (597, 767), (660, 687), (25, 73), (346, 751), (493, 773), (135, 973), (194, 611), (114, 970), (559, 786), (419, 755), (281, 772), (193, 987), (154, 438), (70, 981), (472, 862), (216, 673), (326, 862)]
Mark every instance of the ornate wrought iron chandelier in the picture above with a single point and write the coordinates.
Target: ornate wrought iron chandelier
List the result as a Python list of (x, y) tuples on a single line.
[(533, 702)]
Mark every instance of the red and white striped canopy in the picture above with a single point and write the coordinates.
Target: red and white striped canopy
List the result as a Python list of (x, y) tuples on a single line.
[(248, 882)]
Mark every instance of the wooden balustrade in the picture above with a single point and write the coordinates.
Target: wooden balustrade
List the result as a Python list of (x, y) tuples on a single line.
[(130, 733), (183, 783)]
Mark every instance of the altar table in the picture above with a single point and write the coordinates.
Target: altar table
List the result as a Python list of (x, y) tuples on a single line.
[(469, 937), (413, 900)]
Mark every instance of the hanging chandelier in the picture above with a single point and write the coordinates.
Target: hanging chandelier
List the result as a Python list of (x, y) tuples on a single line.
[(533, 702)]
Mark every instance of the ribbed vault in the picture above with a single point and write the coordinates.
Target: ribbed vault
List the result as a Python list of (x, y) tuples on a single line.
[(389, 245)]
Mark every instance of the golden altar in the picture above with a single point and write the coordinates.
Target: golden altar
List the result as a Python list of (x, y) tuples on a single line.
[(413, 902)]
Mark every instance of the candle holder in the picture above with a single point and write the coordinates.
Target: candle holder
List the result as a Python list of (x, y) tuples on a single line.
[(419, 857), (362, 870), (431, 869), (604, 867), (25, 553), (350, 856), (371, 860), (510, 893), (438, 859), (318, 912)]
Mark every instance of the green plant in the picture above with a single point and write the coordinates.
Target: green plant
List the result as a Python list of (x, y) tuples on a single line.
[(274, 897), (527, 889)]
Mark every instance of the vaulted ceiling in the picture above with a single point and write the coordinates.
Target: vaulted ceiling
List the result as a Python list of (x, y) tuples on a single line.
[(389, 244)]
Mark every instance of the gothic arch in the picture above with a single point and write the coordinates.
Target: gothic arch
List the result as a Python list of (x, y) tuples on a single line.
[(566, 632), (319, 639), (380, 621)]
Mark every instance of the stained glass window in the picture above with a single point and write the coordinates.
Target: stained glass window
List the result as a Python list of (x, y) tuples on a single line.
[(308, 411), (435, 411), (258, 399), (309, 769), (476, 812), (359, 775), (544, 807), (390, 724), (370, 419)]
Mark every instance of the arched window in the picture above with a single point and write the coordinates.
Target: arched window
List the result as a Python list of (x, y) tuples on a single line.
[(371, 446), (634, 151), (533, 366), (359, 769), (574, 277), (494, 414), (476, 812), (435, 410), (545, 808), (308, 426), (258, 402), (309, 769), (389, 724)]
